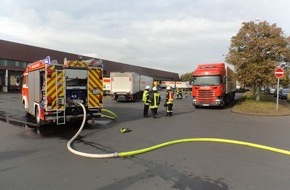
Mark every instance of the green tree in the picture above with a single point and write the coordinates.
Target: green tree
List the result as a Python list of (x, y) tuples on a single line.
[(255, 51), (186, 76)]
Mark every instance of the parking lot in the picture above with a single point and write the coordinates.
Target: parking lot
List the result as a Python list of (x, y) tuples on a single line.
[(34, 158)]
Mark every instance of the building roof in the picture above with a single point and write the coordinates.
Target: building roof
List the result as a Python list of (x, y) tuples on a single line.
[(28, 53)]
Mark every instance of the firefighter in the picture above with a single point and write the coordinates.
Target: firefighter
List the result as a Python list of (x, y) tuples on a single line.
[(169, 102), (155, 101), (186, 92), (146, 100), (178, 93)]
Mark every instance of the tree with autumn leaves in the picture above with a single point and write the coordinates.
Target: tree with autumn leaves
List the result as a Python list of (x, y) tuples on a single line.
[(255, 52), (186, 76)]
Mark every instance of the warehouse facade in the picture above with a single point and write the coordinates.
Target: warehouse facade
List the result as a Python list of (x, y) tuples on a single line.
[(14, 58)]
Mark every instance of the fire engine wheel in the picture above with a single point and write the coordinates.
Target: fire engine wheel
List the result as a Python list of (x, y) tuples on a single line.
[(27, 114)]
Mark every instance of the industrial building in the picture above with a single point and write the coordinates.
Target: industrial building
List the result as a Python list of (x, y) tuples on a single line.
[(14, 58)]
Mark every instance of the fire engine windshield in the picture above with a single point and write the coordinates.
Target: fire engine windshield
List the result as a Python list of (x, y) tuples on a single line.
[(207, 80)]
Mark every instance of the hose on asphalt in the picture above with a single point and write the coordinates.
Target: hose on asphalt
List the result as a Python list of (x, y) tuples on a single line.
[(88, 155), (111, 116), (151, 148)]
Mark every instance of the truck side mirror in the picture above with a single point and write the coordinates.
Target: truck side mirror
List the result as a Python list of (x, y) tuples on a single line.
[(19, 80), (191, 81)]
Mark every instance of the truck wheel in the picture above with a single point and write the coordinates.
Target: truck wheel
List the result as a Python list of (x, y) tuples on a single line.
[(234, 96), (135, 97), (227, 100)]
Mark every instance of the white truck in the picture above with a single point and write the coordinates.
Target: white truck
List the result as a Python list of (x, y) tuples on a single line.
[(176, 84), (183, 84), (128, 86), (165, 84), (106, 86)]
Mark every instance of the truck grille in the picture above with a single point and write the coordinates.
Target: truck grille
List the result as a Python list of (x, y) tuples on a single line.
[(205, 95)]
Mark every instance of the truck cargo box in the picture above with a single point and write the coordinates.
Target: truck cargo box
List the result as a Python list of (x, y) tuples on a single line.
[(128, 86)]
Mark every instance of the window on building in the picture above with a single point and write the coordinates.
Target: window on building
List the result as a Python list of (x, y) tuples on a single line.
[(11, 63), (1, 62), (23, 64), (5, 63)]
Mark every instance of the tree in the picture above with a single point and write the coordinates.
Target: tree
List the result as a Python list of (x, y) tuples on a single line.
[(288, 46), (255, 52), (186, 76)]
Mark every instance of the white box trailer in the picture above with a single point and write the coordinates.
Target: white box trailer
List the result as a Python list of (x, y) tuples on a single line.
[(231, 83), (128, 86), (176, 84), (106, 85), (168, 83), (181, 84)]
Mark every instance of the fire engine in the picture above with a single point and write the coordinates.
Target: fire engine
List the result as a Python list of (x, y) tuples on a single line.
[(51, 92)]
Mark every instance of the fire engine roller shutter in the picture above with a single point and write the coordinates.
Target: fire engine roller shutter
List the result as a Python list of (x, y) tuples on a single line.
[(60, 95), (55, 88), (95, 87)]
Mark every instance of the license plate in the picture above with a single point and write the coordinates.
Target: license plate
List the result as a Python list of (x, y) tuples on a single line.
[(205, 104)]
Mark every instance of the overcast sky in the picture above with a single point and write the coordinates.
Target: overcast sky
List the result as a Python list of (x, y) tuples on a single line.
[(170, 35)]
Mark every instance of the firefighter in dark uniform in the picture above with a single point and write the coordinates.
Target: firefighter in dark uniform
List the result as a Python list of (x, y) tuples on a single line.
[(155, 101), (146, 100), (169, 101), (179, 93)]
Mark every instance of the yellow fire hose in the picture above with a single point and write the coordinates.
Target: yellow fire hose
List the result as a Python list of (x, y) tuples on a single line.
[(112, 116), (144, 150)]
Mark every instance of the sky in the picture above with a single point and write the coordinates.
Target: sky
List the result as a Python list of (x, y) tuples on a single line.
[(169, 35)]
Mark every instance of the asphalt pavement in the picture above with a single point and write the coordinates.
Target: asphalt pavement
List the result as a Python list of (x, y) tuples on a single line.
[(37, 158)]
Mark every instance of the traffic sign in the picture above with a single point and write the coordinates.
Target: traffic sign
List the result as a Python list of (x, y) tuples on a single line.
[(279, 72)]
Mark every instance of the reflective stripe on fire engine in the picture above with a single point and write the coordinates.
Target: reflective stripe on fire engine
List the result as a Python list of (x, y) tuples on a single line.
[(60, 90), (51, 88), (76, 64), (95, 87)]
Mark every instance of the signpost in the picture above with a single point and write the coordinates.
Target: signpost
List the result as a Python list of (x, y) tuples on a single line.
[(279, 73)]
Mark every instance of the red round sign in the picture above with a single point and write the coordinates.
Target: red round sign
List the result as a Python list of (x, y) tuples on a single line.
[(279, 72)]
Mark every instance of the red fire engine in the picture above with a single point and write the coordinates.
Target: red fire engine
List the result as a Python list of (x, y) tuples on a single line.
[(51, 91)]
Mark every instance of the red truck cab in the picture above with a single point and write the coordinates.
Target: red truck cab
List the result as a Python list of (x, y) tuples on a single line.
[(213, 85)]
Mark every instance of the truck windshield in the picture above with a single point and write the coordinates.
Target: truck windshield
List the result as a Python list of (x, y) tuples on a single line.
[(207, 80)]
